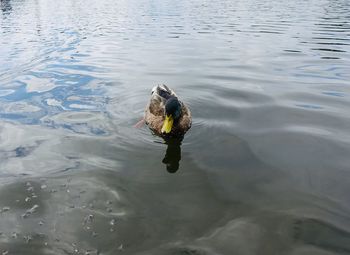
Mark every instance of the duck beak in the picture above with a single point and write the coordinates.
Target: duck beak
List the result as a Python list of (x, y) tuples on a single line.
[(168, 124)]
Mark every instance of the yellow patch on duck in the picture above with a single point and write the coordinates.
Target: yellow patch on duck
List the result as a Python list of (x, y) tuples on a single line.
[(168, 124)]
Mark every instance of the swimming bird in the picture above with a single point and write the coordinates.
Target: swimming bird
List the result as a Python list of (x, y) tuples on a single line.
[(165, 114)]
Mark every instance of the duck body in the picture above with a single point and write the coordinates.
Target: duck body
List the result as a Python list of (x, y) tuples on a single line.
[(166, 115)]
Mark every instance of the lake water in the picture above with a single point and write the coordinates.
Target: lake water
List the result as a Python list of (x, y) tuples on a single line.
[(265, 168)]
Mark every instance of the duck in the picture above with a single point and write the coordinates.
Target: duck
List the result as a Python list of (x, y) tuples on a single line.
[(165, 114)]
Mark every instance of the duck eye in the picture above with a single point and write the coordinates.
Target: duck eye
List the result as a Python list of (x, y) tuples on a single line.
[(177, 114)]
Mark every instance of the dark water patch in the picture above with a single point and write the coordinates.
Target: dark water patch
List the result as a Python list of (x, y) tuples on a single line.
[(293, 51), (323, 235), (330, 58), (331, 38), (328, 43), (325, 49)]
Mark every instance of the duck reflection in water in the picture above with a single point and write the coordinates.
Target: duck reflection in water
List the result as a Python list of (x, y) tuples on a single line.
[(169, 118), (173, 154)]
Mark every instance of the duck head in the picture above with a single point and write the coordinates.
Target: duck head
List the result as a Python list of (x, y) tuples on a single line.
[(172, 114)]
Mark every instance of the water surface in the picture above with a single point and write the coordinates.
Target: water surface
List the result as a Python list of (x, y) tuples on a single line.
[(263, 170)]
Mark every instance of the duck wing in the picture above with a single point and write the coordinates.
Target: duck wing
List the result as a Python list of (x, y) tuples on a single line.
[(163, 91), (160, 94)]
